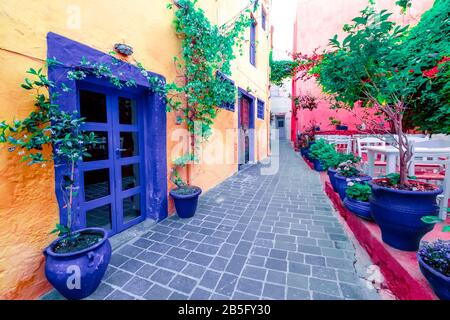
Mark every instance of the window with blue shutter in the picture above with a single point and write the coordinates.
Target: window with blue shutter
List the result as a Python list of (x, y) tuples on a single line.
[(263, 19), (228, 82), (253, 44), (260, 111)]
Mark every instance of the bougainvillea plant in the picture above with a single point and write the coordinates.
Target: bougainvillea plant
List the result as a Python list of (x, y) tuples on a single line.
[(369, 68), (306, 102), (302, 66), (206, 49)]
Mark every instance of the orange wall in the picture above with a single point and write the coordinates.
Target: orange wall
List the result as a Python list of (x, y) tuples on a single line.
[(318, 21), (28, 209)]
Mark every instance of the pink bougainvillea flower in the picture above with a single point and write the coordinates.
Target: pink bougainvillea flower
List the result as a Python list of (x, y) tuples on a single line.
[(430, 73)]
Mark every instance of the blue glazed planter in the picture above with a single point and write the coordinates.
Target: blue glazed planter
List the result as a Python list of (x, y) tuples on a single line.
[(77, 275), (331, 173), (398, 213), (359, 208), (318, 165), (303, 151), (186, 205), (341, 183), (437, 281)]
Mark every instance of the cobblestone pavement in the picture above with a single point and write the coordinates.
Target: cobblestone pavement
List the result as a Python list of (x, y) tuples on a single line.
[(253, 237)]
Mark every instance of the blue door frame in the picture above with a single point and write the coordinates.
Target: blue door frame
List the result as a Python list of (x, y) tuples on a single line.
[(251, 99), (70, 55)]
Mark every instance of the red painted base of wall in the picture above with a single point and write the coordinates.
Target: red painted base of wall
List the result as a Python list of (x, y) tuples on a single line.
[(400, 269)]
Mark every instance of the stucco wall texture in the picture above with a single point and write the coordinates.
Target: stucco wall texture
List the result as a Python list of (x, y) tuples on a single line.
[(318, 21), (28, 209)]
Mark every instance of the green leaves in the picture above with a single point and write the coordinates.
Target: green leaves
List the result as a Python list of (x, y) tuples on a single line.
[(61, 230), (431, 219), (359, 191)]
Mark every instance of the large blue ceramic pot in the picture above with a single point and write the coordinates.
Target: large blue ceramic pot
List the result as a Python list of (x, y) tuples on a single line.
[(331, 173), (437, 281), (398, 213), (318, 166), (341, 183), (76, 275), (186, 204), (359, 208), (303, 151)]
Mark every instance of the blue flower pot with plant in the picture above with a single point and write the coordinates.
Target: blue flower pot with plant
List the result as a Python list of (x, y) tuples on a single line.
[(342, 182), (186, 200), (357, 199), (318, 165), (398, 211), (75, 266), (434, 262)]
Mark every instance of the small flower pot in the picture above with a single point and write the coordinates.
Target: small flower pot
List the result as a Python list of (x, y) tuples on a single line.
[(318, 166), (359, 208), (341, 127), (331, 173), (303, 151), (398, 213), (76, 275), (438, 282), (186, 202), (341, 183)]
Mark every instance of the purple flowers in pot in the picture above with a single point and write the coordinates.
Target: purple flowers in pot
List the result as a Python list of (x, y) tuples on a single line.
[(437, 255)]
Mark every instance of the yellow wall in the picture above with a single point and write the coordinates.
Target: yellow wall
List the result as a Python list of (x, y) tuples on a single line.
[(28, 209)]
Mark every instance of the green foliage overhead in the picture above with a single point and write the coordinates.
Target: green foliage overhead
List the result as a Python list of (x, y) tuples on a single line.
[(280, 70), (424, 50), (381, 63)]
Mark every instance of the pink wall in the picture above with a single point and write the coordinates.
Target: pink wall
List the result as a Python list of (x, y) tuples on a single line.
[(316, 22)]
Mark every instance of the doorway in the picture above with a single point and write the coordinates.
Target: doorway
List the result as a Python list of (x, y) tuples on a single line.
[(246, 129), (112, 179), (280, 125)]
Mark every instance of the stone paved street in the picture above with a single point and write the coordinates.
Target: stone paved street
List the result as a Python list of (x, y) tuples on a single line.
[(253, 237)]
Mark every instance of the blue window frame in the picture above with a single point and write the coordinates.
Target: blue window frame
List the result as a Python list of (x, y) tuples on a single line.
[(224, 78), (253, 44), (260, 109), (263, 19)]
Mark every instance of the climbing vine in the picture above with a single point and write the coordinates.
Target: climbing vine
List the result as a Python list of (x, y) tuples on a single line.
[(207, 50)]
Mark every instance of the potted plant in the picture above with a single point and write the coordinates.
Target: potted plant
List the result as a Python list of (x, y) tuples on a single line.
[(185, 196), (357, 199), (77, 260), (348, 172), (400, 76), (434, 263), (338, 124), (333, 161), (320, 151)]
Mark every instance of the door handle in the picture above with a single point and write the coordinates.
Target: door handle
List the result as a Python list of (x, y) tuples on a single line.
[(121, 150)]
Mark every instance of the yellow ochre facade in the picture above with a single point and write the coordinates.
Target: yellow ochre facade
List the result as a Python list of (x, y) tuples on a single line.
[(28, 206)]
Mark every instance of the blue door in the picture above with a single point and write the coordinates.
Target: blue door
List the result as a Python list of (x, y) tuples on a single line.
[(112, 179)]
